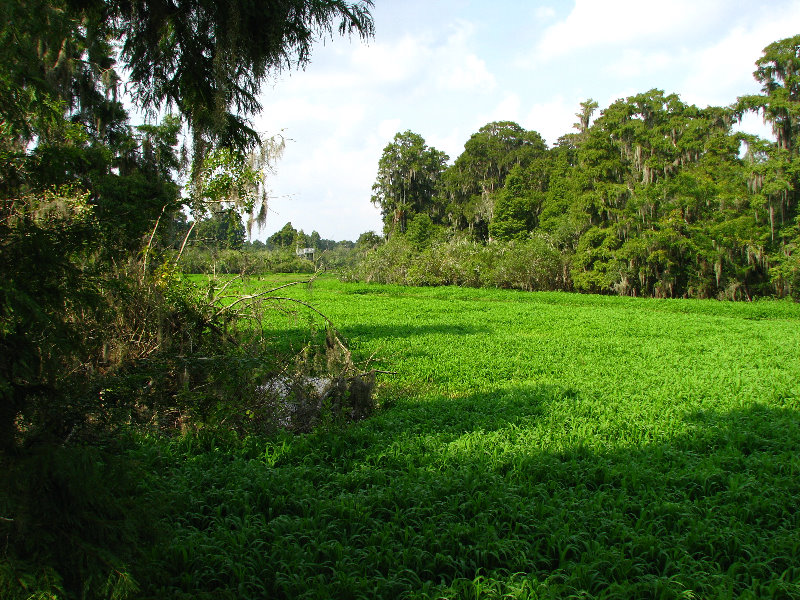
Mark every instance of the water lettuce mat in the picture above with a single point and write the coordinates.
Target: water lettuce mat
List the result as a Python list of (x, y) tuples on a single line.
[(532, 445)]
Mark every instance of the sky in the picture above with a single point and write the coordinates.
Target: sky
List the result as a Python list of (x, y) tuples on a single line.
[(445, 68)]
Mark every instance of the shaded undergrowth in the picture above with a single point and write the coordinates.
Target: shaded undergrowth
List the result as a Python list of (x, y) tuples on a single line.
[(490, 495)]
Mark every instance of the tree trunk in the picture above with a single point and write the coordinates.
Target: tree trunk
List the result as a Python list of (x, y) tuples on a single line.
[(772, 219)]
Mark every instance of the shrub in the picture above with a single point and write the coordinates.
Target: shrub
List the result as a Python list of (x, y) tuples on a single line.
[(203, 261), (532, 264)]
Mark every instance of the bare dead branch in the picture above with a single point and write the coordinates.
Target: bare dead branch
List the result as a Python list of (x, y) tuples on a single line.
[(224, 287), (185, 239), (150, 241), (307, 305), (265, 295)]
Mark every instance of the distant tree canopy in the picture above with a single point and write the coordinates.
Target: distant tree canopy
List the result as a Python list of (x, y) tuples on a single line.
[(285, 237), (652, 197), (471, 183), (369, 239)]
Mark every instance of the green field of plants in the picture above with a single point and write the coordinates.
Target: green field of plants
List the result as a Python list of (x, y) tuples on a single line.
[(530, 445)]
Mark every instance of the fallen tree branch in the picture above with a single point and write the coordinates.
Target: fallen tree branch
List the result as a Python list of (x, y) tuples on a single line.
[(265, 295), (185, 239), (307, 305), (150, 241), (224, 287)]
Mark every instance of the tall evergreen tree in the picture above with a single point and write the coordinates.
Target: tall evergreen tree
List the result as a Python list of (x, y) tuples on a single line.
[(409, 172)]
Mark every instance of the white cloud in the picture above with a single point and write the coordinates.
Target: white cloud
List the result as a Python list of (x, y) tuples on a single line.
[(636, 63), (452, 143), (326, 190), (545, 13), (622, 22), (388, 128), (722, 71), (457, 67), (300, 109), (553, 118), (507, 110), (469, 73), (392, 63), (410, 63), (754, 123)]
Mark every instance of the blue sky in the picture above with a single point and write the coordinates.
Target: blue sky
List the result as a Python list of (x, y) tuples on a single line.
[(444, 68)]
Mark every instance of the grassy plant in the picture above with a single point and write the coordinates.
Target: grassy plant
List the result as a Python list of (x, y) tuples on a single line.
[(536, 445)]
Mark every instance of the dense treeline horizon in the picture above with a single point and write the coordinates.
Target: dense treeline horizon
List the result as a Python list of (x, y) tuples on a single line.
[(652, 197), (218, 245)]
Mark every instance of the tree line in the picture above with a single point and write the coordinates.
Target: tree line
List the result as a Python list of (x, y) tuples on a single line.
[(652, 197)]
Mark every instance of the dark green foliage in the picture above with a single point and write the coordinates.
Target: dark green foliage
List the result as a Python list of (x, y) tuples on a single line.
[(42, 290), (99, 336), (489, 156), (368, 240), (592, 264), (285, 237), (209, 59), (222, 230), (82, 517), (518, 204), (420, 231)]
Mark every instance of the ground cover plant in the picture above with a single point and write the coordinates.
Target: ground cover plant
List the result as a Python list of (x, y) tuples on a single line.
[(531, 445)]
